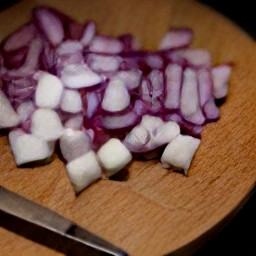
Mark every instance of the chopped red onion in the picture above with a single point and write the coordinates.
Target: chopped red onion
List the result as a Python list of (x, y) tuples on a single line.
[(50, 25), (49, 91), (20, 38), (176, 38), (103, 44), (131, 78), (190, 105), (8, 116), (116, 97), (75, 76), (28, 148), (205, 85), (88, 34), (74, 144), (103, 63), (120, 121), (71, 101), (173, 73), (192, 57), (69, 47), (25, 110), (220, 76), (60, 80), (92, 102), (75, 122)]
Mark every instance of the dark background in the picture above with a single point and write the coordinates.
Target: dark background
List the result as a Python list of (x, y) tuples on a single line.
[(238, 236)]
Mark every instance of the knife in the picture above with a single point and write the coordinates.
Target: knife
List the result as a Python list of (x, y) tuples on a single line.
[(49, 228)]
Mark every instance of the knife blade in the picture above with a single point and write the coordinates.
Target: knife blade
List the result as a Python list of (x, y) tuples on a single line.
[(83, 242)]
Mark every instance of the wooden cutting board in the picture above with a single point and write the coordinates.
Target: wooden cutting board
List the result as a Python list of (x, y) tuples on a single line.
[(155, 211)]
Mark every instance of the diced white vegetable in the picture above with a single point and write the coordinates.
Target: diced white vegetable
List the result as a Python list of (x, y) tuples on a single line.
[(46, 124), (137, 138), (74, 122), (83, 171), (116, 97), (102, 63), (131, 78), (74, 144), (28, 148), (113, 156), (88, 34), (8, 116), (25, 110), (173, 74), (119, 121), (93, 102), (220, 77), (71, 101), (189, 103), (175, 38), (166, 133), (179, 153), (49, 91), (76, 76), (189, 91), (151, 123), (150, 134), (69, 47), (194, 56), (104, 44)]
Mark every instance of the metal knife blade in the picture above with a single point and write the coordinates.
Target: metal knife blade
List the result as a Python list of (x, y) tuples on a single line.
[(18, 207)]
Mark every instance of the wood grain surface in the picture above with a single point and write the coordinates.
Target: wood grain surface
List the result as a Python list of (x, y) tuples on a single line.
[(155, 211)]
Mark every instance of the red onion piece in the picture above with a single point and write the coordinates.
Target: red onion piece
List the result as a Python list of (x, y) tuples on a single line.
[(173, 73), (19, 89), (69, 47), (92, 102), (65, 60), (103, 44), (176, 38), (49, 24), (103, 63), (76, 76), (205, 85), (190, 106), (220, 76), (32, 59), (88, 33), (211, 111), (131, 78), (192, 57), (48, 59), (20, 38), (116, 96), (120, 121), (151, 91), (15, 59), (154, 61)]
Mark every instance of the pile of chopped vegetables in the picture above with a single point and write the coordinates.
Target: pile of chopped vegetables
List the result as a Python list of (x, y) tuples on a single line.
[(101, 99)]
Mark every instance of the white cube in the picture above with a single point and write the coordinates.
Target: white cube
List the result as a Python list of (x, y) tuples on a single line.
[(28, 148), (83, 171), (46, 124), (113, 156), (71, 101), (179, 153), (49, 91)]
